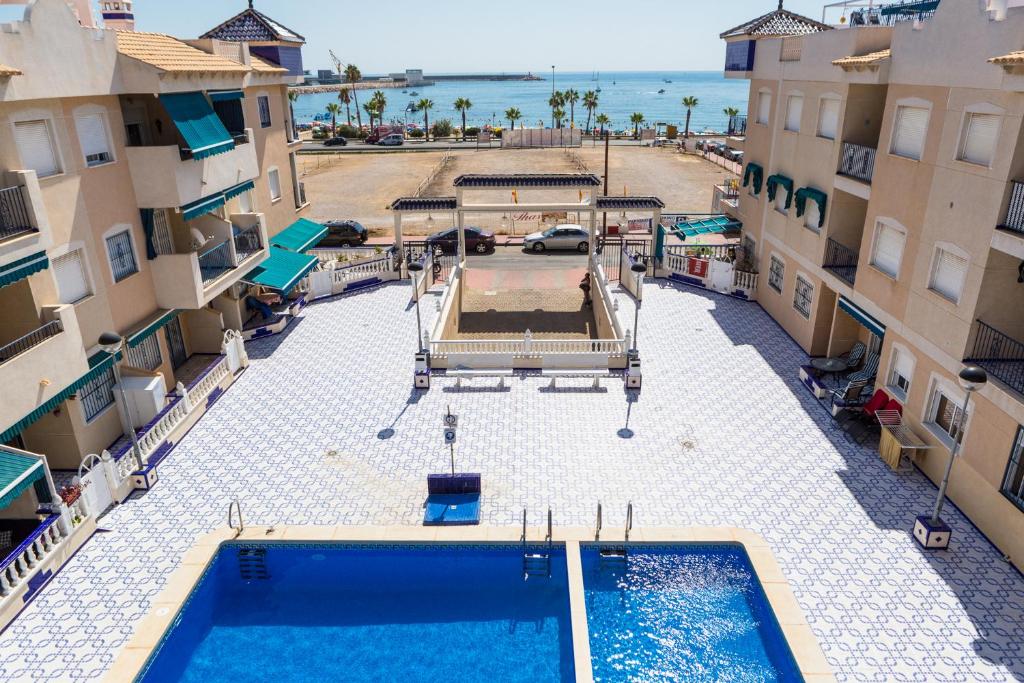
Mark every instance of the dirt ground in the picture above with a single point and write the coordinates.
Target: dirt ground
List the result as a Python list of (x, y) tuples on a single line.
[(361, 186)]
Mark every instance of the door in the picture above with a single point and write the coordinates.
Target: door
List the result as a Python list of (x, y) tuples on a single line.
[(176, 343), (95, 487)]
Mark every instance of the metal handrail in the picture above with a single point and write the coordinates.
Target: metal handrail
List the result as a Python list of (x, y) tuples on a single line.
[(215, 262), (30, 340), (629, 519), (232, 506), (247, 241), (1001, 355), (857, 161), (523, 537), (14, 216), (841, 261), (1015, 210), (597, 532)]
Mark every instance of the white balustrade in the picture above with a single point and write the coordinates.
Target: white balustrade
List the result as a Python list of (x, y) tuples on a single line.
[(16, 570), (745, 280), (359, 271), (528, 347)]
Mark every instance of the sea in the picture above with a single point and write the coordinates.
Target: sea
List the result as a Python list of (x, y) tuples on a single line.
[(622, 94)]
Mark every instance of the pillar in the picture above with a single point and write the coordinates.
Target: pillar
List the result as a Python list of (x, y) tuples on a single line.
[(593, 232), (398, 231), (460, 218)]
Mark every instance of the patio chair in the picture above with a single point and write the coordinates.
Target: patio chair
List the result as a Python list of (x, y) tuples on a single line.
[(854, 356), (850, 397), (868, 371), (862, 422)]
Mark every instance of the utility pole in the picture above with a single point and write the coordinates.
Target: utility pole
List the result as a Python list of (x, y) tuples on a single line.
[(552, 95)]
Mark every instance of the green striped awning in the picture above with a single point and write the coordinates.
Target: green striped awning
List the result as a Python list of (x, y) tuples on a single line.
[(863, 317), (805, 193), (300, 235), (773, 183), (282, 270), (238, 189), (226, 95), (753, 172), (202, 206), (150, 328), (199, 125), (23, 267), (18, 471)]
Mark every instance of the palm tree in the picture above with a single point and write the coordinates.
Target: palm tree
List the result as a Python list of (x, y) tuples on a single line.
[(689, 103), (463, 105), (333, 108), (556, 100), (731, 113), (513, 115), (559, 114), (425, 105), (380, 103), (636, 119), (572, 97), (352, 75), (346, 98), (603, 120), (371, 111), (590, 102)]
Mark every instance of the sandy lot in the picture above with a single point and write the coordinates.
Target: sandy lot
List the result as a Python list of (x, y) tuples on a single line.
[(361, 186)]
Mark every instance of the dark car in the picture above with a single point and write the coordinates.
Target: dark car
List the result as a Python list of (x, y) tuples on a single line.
[(344, 234), (480, 241), (336, 141)]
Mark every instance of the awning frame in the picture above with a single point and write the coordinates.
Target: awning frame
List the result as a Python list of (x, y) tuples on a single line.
[(865, 319)]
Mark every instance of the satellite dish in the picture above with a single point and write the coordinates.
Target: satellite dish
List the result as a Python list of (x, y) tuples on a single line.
[(198, 240)]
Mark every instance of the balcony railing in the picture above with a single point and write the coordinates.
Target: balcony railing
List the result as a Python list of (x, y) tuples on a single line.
[(1001, 355), (247, 241), (30, 340), (14, 216), (737, 126), (1015, 212), (215, 262), (301, 199), (841, 261), (724, 199), (857, 161)]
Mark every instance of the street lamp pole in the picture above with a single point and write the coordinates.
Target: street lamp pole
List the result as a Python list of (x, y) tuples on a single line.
[(638, 269), (416, 267), (552, 95), (112, 343)]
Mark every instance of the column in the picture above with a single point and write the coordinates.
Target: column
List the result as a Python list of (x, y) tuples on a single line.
[(460, 221)]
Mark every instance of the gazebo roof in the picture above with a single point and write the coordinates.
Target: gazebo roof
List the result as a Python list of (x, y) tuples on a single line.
[(781, 22), (423, 204), (253, 26), (545, 180), (625, 203)]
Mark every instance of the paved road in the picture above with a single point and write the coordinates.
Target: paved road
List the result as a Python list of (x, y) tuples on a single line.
[(514, 258), (355, 147)]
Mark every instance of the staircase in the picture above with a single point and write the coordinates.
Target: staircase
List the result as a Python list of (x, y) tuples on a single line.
[(618, 554), (537, 563), (252, 564)]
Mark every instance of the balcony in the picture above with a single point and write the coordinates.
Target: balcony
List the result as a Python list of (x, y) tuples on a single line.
[(841, 261), (1015, 211), (1001, 355), (737, 126), (856, 167), (190, 280), (24, 228), (167, 176), (725, 199), (14, 216)]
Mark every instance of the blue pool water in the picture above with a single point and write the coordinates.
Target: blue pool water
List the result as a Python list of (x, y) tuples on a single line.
[(682, 613), (372, 613)]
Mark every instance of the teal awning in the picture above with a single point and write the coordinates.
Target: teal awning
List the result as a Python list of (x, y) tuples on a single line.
[(23, 267), (195, 119), (773, 183), (203, 206), (282, 270), (857, 313), (805, 193), (226, 95), (150, 328), (909, 8), (238, 189), (753, 172), (300, 235), (17, 472), (704, 226)]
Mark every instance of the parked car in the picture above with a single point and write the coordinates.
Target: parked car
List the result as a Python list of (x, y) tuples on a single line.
[(392, 139), (560, 237), (480, 241), (336, 141), (344, 234)]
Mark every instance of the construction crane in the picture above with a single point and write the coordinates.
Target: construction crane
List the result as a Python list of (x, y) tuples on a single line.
[(339, 67)]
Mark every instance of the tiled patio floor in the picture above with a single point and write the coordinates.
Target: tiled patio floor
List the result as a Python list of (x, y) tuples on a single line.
[(324, 429)]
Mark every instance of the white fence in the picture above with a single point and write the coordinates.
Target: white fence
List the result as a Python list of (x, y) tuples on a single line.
[(351, 255), (528, 347), (446, 159), (34, 550), (710, 267), (542, 137), (337, 279)]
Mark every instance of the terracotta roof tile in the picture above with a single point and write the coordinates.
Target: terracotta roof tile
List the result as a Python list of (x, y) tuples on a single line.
[(169, 54), (1012, 59), (870, 59), (263, 66), (6, 71)]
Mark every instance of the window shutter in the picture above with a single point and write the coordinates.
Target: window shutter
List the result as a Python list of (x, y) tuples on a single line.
[(903, 364), (36, 147), (72, 284), (764, 107), (161, 232), (828, 119), (794, 108), (275, 184), (92, 136), (812, 216), (911, 126), (980, 138), (949, 274), (888, 249)]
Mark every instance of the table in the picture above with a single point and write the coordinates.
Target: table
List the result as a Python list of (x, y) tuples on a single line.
[(830, 366)]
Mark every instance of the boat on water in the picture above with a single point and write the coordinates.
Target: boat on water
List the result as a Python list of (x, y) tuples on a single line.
[(414, 93), (667, 80), (661, 92)]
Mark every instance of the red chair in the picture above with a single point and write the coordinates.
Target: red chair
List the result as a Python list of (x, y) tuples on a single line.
[(878, 401)]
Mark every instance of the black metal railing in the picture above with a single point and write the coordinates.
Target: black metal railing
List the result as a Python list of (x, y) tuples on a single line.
[(30, 340), (737, 125), (247, 241), (301, 199), (857, 161), (215, 262), (1015, 211), (1001, 355), (907, 10), (841, 261), (14, 216)]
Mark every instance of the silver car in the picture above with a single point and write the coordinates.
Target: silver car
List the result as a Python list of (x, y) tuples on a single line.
[(392, 139), (560, 237)]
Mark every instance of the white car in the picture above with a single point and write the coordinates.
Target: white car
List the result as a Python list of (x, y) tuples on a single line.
[(564, 237), (392, 139)]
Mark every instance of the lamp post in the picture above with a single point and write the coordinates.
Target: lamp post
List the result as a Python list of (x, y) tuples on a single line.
[(932, 532), (112, 343), (552, 94), (638, 269), (416, 267)]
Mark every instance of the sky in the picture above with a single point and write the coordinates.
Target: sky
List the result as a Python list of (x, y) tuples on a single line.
[(525, 35)]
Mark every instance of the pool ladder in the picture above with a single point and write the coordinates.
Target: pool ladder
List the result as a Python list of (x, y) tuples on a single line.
[(252, 564), (537, 564), (615, 554)]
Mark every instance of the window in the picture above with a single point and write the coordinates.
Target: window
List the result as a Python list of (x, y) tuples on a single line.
[(794, 108), (97, 394), (35, 143), (776, 273), (764, 107), (802, 297), (946, 415), (901, 370), (828, 118), (274, 177), (887, 251), (161, 233), (781, 193), (978, 140), (93, 138), (948, 273), (230, 114), (146, 355), (121, 255), (1013, 482), (72, 282), (812, 214), (263, 102), (909, 131)]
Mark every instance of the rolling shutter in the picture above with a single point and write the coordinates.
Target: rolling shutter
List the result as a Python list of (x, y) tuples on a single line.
[(36, 147), (92, 136), (888, 249), (794, 109), (828, 118), (911, 126), (980, 138), (764, 106), (948, 276), (72, 284)]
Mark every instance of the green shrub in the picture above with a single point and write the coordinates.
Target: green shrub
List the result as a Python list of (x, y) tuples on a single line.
[(348, 131), (442, 128), (319, 134), (416, 133), (472, 131)]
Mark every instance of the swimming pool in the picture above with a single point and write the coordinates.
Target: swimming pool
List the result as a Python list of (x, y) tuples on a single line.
[(683, 613), (302, 611)]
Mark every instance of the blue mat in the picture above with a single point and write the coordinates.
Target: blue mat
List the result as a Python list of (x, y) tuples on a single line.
[(445, 509)]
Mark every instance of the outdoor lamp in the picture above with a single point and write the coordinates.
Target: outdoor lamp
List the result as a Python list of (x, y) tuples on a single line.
[(430, 222), (638, 269), (416, 267), (112, 343), (504, 221)]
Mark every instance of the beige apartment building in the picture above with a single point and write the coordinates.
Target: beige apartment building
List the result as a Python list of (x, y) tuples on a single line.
[(884, 190)]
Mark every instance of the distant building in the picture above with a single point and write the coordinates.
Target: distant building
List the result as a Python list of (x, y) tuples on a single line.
[(266, 38), (118, 15), (413, 77)]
